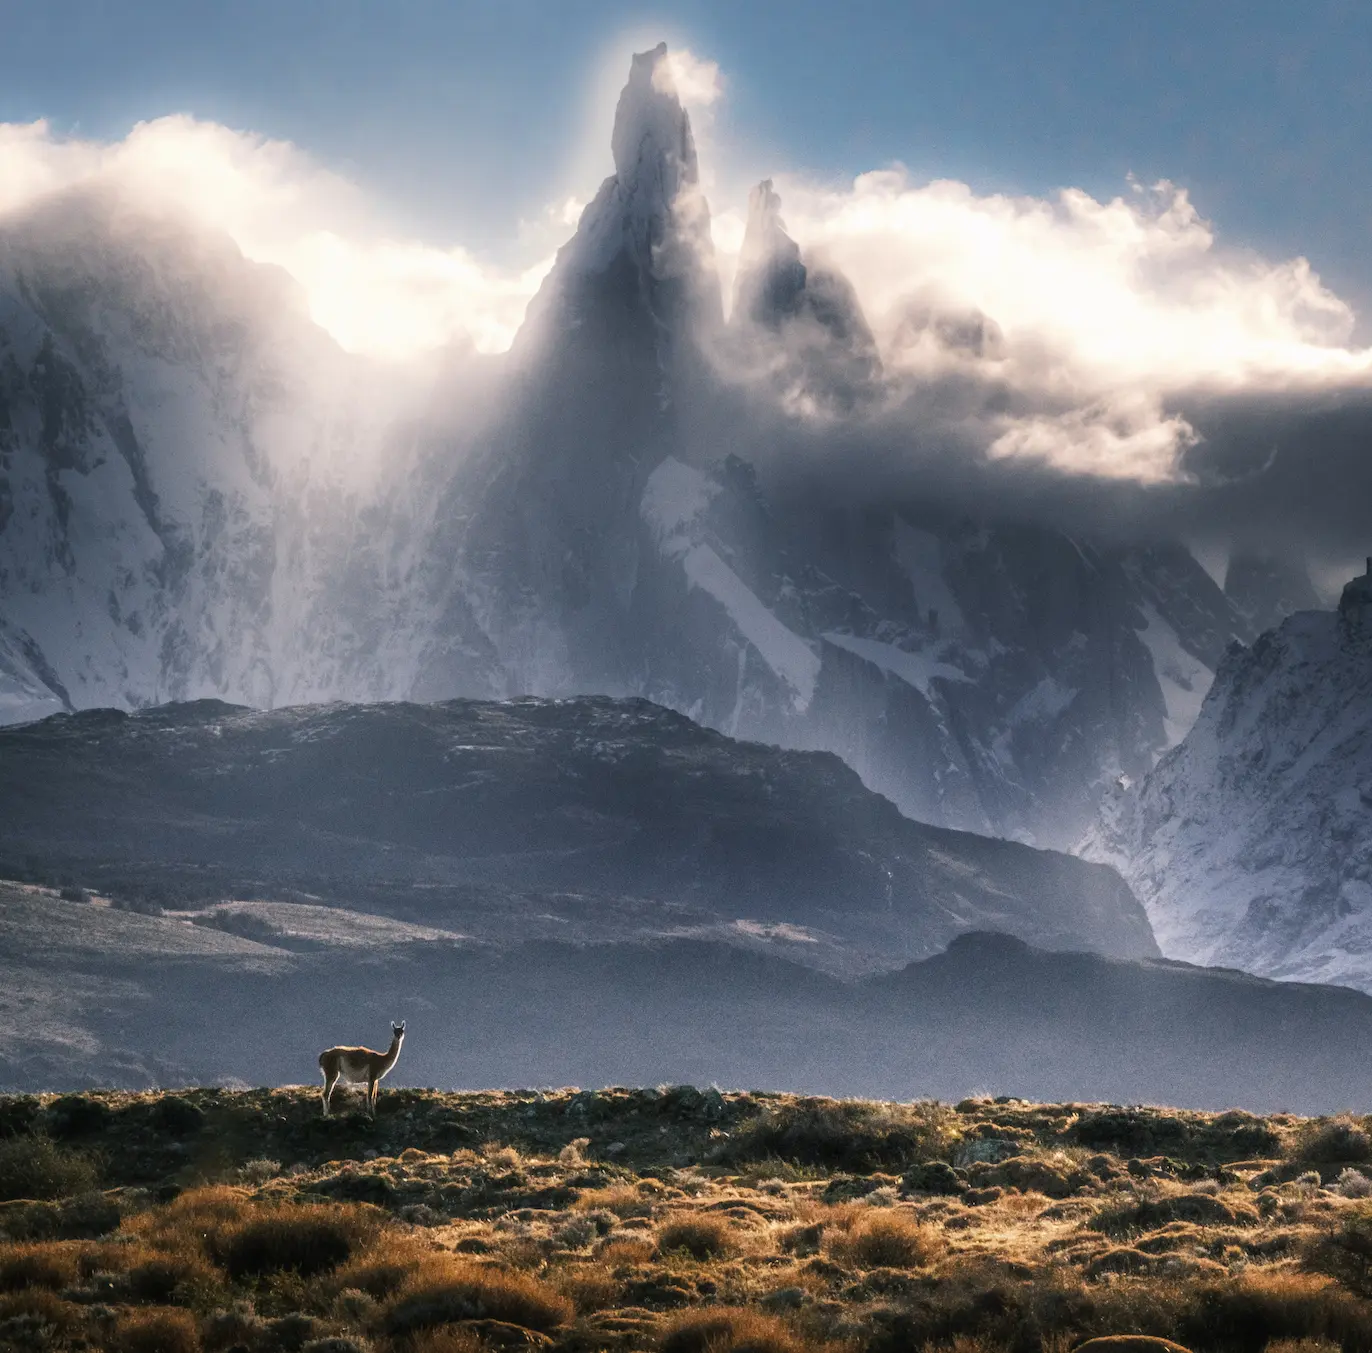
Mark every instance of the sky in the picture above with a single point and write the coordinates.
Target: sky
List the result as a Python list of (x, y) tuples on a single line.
[(466, 119)]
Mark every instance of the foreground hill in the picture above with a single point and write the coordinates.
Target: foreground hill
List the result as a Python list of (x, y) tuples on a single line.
[(436, 813), (237, 993), (673, 1218)]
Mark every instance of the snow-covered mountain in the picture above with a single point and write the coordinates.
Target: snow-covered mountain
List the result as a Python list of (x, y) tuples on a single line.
[(1251, 843), (200, 495)]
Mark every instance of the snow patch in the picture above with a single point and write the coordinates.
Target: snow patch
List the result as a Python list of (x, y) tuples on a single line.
[(915, 669), (1184, 678), (674, 498), (785, 652)]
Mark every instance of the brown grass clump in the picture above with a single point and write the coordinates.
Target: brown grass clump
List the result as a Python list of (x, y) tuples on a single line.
[(43, 1313), (448, 1339), (589, 1287), (172, 1280), (156, 1332), (473, 1292), (190, 1221), (622, 1199), (728, 1329), (619, 1251), (1260, 1306), (700, 1235), (35, 1167), (1149, 1214), (51, 1265), (846, 1134), (1329, 1141), (1346, 1252), (886, 1240), (307, 1239)]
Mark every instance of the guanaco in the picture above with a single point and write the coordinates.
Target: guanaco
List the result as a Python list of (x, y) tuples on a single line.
[(355, 1065)]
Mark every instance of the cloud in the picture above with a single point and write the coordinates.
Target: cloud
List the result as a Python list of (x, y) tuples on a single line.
[(375, 291), (697, 82), (1093, 324), (1063, 350)]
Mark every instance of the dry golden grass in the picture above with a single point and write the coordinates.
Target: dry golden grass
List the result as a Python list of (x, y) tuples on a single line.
[(162, 1331), (447, 1339), (618, 1250), (53, 1265), (885, 1239), (624, 1200), (589, 1287), (725, 1257), (469, 1291), (726, 1329), (696, 1234)]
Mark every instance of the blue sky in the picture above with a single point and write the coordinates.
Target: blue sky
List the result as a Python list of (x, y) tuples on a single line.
[(464, 117)]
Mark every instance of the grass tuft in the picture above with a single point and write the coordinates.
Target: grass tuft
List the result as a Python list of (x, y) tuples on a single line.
[(699, 1235), (471, 1292)]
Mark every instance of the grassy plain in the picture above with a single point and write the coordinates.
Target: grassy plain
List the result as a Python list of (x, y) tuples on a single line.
[(675, 1219)]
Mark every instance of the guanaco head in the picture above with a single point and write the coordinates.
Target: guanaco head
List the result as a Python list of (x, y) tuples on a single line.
[(398, 1030)]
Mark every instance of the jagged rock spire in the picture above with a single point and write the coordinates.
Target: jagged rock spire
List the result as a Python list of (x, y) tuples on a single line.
[(771, 276)]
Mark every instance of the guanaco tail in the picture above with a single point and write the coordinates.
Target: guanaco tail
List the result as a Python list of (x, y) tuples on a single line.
[(355, 1065)]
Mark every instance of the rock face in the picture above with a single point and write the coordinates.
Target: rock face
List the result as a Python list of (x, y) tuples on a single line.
[(599, 798), (201, 496), (1251, 843)]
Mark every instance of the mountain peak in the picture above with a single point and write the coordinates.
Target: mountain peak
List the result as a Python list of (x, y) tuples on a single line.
[(771, 276), (655, 153)]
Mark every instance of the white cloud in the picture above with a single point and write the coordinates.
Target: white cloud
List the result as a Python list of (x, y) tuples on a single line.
[(374, 291), (697, 82), (1131, 291)]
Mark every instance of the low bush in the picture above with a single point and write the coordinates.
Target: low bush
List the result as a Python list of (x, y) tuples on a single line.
[(1331, 1141), (475, 1293), (729, 1329), (53, 1266), (307, 1239), (156, 1332), (1345, 1253), (845, 1134), (886, 1240), (171, 1280), (36, 1167), (699, 1235)]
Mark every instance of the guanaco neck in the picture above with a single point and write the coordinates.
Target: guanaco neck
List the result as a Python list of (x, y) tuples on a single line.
[(392, 1053)]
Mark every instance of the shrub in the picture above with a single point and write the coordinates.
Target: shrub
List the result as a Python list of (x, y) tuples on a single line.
[(35, 1167), (156, 1332), (170, 1280), (589, 1287), (1325, 1141), (34, 1316), (845, 1134), (1346, 1253), (259, 1171), (1353, 1183), (728, 1329), (700, 1235), (475, 1293), (448, 1340), (78, 1116), (50, 1266), (887, 1240), (306, 1239), (622, 1200)]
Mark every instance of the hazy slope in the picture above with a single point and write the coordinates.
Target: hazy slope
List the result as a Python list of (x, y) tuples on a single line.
[(590, 796)]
